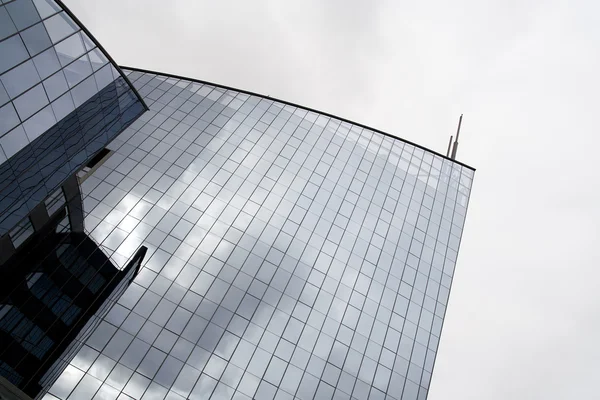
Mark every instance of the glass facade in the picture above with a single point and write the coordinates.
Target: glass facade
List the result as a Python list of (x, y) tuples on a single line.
[(49, 67), (61, 101), (290, 254), (53, 296)]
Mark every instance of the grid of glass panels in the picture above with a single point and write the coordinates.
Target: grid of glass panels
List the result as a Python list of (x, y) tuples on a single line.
[(49, 300), (48, 67), (290, 254)]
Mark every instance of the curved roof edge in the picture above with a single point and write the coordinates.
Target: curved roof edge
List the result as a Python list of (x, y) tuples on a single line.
[(102, 49), (296, 105)]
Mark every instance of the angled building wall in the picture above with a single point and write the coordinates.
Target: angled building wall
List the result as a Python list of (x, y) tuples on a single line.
[(291, 254), (61, 101)]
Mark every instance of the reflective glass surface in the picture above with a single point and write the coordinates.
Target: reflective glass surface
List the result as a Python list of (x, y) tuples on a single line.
[(42, 159), (37, 39), (53, 292), (61, 101), (290, 254)]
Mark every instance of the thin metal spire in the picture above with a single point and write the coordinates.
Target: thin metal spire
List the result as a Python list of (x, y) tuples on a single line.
[(449, 146), (455, 147)]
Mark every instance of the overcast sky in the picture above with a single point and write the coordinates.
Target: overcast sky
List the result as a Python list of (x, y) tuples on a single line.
[(524, 314)]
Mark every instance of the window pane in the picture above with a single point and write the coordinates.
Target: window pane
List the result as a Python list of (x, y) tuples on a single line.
[(13, 52), (3, 95), (7, 27), (56, 85), (39, 123), (82, 92), (30, 102), (63, 106), (46, 7), (103, 77), (8, 118), (70, 49), (97, 58), (78, 70), (47, 63), (60, 26), (21, 78), (23, 13), (36, 39), (14, 141)]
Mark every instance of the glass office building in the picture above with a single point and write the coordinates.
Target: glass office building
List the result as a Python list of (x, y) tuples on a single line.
[(62, 100), (288, 253), (291, 254)]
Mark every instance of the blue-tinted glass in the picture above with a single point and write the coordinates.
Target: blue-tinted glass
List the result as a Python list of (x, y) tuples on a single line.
[(13, 52), (69, 49), (56, 85), (82, 92), (103, 77), (3, 95), (21, 78), (39, 123), (79, 135), (46, 63), (78, 70), (114, 71), (63, 106), (30, 102), (60, 26), (97, 59), (36, 39), (7, 27), (13, 141), (8, 118), (46, 7), (89, 44), (23, 13)]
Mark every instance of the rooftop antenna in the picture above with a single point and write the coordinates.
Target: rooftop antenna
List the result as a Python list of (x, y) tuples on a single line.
[(449, 146), (455, 147)]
